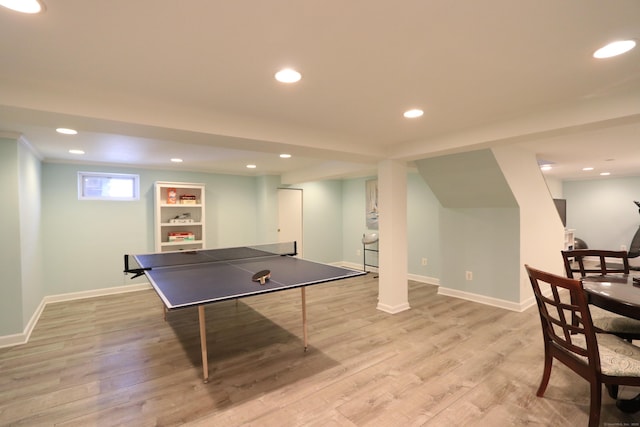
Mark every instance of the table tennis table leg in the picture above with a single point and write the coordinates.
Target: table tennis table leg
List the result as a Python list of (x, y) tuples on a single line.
[(304, 317), (203, 343)]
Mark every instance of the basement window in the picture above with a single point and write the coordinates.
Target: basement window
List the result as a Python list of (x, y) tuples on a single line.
[(108, 186)]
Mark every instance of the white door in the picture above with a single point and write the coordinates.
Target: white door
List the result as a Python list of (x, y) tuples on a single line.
[(290, 216)]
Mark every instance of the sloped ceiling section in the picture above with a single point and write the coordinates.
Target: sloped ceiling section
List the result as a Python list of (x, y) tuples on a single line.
[(467, 180)]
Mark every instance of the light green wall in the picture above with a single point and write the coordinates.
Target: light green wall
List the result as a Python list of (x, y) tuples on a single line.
[(239, 210), (469, 179), (484, 241), (65, 245), (85, 240), (267, 208), (21, 288), (11, 312), (422, 225), (479, 224), (322, 226), (31, 255), (80, 244), (602, 211), (354, 220)]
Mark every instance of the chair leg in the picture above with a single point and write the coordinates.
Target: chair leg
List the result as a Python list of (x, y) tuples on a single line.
[(629, 406), (546, 374), (596, 403), (612, 389)]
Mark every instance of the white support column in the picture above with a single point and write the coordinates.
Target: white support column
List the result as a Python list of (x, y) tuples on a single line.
[(393, 287)]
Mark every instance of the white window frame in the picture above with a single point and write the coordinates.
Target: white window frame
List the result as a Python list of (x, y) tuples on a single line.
[(82, 191)]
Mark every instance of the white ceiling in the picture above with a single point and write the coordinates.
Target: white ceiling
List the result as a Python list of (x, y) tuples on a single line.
[(145, 81)]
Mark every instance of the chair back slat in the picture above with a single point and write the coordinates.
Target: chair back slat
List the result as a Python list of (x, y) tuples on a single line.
[(564, 315), (608, 262)]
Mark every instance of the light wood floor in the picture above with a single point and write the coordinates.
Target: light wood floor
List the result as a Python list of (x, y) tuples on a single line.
[(446, 362)]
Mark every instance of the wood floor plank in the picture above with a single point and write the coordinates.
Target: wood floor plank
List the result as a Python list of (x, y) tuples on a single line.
[(113, 360)]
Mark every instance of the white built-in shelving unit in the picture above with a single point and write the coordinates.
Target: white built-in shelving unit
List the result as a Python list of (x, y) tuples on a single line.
[(179, 211)]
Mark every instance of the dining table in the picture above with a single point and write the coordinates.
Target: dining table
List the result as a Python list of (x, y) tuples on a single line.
[(619, 294), (616, 293)]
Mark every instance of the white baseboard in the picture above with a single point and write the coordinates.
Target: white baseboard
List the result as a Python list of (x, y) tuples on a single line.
[(424, 279), (23, 338), (96, 293), (414, 277), (482, 299), (351, 265), (495, 302), (393, 309), (12, 340)]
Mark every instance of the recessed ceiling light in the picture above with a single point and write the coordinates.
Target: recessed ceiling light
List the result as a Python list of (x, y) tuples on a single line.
[(587, 168), (285, 156), (176, 160), (605, 173), (251, 166), (24, 6), (67, 131), (614, 49), (288, 75), (412, 114), (545, 168), (76, 151)]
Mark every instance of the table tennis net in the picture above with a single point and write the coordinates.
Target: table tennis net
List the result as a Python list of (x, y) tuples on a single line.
[(168, 259)]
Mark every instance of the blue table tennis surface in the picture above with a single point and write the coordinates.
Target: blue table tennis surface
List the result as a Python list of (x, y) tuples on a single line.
[(191, 278)]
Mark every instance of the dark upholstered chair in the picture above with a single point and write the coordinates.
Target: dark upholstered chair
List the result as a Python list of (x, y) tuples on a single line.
[(598, 358), (586, 262)]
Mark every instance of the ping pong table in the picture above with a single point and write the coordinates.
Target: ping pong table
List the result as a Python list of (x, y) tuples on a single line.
[(197, 278)]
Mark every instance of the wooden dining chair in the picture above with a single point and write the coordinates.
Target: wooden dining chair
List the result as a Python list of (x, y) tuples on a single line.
[(586, 262), (601, 359)]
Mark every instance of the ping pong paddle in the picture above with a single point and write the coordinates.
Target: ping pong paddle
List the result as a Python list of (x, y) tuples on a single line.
[(261, 276)]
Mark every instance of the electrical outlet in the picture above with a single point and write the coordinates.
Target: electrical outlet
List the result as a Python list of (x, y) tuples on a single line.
[(358, 252), (623, 247), (469, 275), (423, 261)]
